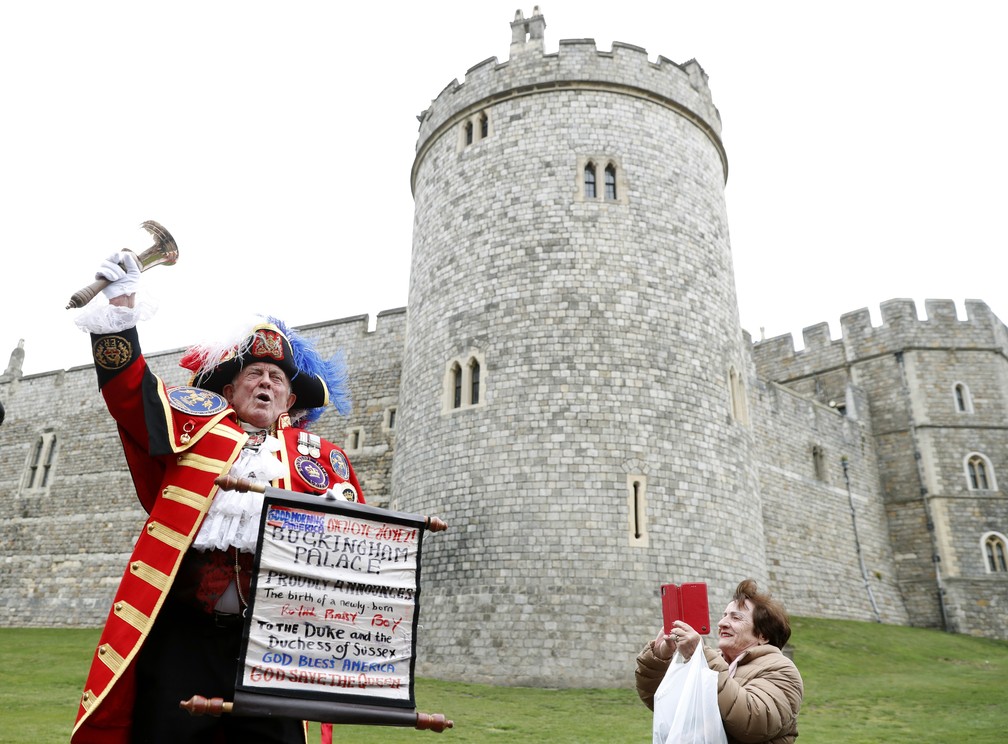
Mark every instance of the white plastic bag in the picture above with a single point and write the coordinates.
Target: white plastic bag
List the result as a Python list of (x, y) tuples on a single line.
[(685, 704)]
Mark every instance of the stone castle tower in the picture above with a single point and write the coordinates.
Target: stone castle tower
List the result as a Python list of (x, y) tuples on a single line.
[(572, 320), (570, 389)]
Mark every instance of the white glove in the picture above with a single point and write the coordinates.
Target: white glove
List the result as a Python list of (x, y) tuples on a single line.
[(123, 281)]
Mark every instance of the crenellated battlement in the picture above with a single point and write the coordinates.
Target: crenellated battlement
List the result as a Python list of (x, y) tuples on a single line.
[(941, 327), (901, 328), (386, 322), (578, 64)]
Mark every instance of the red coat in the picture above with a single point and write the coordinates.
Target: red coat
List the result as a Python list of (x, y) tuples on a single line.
[(176, 441)]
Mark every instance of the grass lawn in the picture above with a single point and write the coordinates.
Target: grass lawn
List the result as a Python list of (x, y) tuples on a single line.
[(864, 683)]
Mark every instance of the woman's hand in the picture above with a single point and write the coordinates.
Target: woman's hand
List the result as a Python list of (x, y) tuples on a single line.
[(684, 638), (663, 646)]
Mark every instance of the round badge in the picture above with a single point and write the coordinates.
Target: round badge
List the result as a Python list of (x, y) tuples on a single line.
[(112, 352), (196, 401), (339, 464), (347, 490), (312, 473)]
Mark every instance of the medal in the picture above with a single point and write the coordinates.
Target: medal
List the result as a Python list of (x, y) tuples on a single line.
[(309, 445)]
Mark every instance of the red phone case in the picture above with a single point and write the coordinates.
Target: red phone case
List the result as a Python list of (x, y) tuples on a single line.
[(686, 602)]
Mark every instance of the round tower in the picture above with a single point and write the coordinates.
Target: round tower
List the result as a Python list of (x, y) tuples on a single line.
[(572, 397)]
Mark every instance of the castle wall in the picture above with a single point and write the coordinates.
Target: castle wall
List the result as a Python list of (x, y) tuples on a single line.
[(977, 606), (810, 532), (63, 563), (64, 545), (374, 359), (69, 541)]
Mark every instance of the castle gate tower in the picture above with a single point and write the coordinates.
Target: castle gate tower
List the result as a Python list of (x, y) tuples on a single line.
[(572, 350)]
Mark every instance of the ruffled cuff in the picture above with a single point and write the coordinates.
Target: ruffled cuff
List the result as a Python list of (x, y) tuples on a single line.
[(99, 318)]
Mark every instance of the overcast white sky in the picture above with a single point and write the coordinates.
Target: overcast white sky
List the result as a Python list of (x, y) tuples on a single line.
[(866, 145)]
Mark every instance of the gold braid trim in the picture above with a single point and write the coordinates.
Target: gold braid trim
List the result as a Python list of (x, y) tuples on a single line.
[(229, 432), (184, 496), (206, 464), (88, 700), (168, 536), (131, 615), (108, 656), (151, 575)]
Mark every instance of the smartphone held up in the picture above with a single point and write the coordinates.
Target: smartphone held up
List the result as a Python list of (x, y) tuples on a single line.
[(686, 602)]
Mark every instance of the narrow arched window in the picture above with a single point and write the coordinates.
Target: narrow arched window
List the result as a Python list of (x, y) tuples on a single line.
[(41, 461), (610, 182), (456, 386), (589, 181), (819, 462), (637, 509), (995, 552), (737, 393), (464, 380), (977, 472), (48, 463), (963, 401), (355, 439), (34, 462), (484, 126), (474, 384), (468, 132)]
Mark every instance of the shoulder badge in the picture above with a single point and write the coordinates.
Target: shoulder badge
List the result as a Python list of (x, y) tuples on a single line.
[(196, 401), (112, 352), (347, 491), (312, 473), (339, 464)]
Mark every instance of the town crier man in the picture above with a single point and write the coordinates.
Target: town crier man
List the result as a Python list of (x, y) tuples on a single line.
[(174, 629)]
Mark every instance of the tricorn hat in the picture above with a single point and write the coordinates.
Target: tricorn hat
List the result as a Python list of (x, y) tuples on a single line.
[(316, 382)]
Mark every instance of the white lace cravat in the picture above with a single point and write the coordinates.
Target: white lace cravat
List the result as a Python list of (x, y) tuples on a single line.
[(233, 519)]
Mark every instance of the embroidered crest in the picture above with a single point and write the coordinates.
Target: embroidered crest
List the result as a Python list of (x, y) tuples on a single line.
[(348, 491), (255, 440), (267, 343), (339, 464), (112, 352), (312, 473), (196, 401)]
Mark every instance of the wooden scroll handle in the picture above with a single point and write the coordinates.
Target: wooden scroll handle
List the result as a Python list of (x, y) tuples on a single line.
[(244, 485), (198, 705), (433, 722), (435, 524)]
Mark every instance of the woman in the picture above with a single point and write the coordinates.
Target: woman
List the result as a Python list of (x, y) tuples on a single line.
[(759, 689)]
